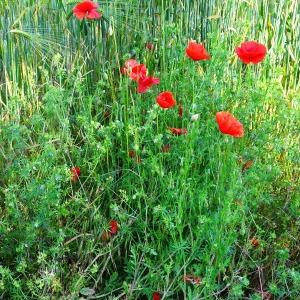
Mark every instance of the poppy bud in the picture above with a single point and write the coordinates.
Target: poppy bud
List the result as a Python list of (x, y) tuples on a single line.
[(166, 148), (106, 114), (180, 111), (247, 165), (254, 242), (156, 296), (75, 173), (131, 153), (149, 46), (113, 227)]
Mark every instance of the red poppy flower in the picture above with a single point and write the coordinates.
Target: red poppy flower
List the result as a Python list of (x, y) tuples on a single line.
[(138, 72), (195, 280), (146, 83), (166, 148), (86, 9), (165, 100), (178, 131), (131, 153), (75, 173), (113, 227), (251, 52), (196, 51), (128, 66), (228, 124), (180, 110), (156, 296), (113, 230), (130, 63)]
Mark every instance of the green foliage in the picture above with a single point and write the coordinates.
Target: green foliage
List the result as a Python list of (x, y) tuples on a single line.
[(193, 210)]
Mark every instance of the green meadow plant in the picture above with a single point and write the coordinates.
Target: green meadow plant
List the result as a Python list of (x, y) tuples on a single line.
[(99, 200)]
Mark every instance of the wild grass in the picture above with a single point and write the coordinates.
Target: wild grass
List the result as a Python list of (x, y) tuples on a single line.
[(193, 210)]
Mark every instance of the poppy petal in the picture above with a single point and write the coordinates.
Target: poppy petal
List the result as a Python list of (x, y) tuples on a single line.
[(93, 14), (228, 124), (156, 296), (130, 63), (75, 173), (86, 9), (178, 131), (146, 83), (113, 226), (196, 51), (137, 72), (166, 100), (251, 52)]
